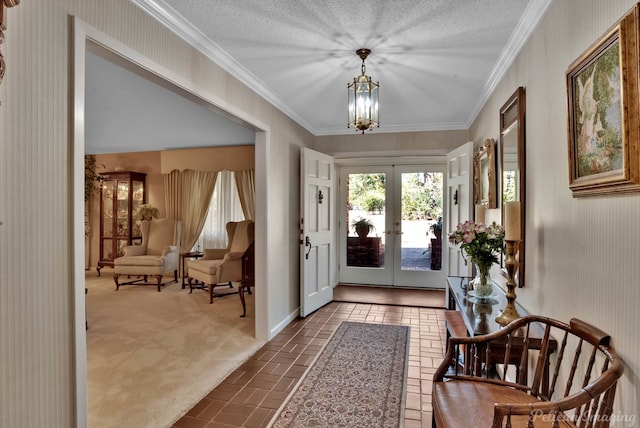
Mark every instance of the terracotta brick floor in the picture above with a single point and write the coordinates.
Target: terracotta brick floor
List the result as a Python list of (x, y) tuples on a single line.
[(250, 396)]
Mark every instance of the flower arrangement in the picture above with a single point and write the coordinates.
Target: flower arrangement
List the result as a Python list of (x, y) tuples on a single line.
[(482, 243), (146, 212)]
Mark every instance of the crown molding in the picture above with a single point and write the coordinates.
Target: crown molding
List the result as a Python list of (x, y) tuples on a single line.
[(175, 22), (527, 24), (389, 129)]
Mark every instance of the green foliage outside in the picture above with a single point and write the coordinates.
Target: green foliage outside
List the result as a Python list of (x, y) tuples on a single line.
[(367, 192), (421, 194), (508, 186)]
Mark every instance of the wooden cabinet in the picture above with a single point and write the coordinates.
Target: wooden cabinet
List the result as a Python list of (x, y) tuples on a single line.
[(120, 194)]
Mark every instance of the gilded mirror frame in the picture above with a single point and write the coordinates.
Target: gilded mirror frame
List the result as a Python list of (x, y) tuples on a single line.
[(484, 174), (512, 114)]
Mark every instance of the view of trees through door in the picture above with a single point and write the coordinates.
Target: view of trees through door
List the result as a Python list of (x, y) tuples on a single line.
[(394, 217)]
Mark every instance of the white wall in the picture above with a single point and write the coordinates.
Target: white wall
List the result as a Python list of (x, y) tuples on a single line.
[(582, 254), (36, 276)]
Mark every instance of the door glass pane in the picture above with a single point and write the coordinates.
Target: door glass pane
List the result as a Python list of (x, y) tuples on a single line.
[(366, 219), (421, 246)]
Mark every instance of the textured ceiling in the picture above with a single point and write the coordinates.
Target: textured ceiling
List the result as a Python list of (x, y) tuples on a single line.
[(437, 60)]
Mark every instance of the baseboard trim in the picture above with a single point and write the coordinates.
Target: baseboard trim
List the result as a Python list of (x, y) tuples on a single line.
[(285, 322)]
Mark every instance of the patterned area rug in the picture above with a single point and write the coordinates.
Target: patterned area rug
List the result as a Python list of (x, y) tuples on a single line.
[(358, 380)]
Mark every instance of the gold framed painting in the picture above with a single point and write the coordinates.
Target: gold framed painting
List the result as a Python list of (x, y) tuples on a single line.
[(602, 96), (484, 174)]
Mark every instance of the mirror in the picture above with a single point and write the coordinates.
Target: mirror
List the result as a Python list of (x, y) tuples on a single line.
[(512, 159)]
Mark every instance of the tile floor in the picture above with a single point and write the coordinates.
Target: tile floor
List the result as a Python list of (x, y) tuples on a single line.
[(250, 396)]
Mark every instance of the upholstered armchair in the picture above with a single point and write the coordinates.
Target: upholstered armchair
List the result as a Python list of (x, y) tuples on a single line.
[(158, 254), (221, 266)]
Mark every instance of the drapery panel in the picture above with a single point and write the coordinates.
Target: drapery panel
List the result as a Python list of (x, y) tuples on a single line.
[(187, 197), (246, 184), (173, 194), (197, 190)]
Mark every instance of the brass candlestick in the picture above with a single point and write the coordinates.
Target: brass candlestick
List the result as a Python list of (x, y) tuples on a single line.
[(510, 312)]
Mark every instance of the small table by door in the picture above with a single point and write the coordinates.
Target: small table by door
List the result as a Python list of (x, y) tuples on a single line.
[(479, 315), (188, 255)]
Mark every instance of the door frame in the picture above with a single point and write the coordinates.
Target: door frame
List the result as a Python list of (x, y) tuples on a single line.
[(438, 160), (82, 34)]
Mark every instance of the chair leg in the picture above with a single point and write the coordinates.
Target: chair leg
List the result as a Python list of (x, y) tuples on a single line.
[(159, 281), (211, 293), (190, 285), (230, 284), (115, 278), (175, 276), (241, 294)]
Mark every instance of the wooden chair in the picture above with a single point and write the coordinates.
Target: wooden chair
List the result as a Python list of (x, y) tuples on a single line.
[(572, 386)]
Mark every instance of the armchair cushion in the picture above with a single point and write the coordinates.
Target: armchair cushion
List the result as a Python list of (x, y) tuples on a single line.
[(141, 261), (209, 267)]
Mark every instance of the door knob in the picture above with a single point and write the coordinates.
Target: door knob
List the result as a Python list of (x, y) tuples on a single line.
[(307, 243)]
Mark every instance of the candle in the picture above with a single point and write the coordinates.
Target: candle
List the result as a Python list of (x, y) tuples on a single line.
[(480, 213), (512, 221)]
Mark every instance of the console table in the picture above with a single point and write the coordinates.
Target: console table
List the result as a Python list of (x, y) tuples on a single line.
[(479, 317)]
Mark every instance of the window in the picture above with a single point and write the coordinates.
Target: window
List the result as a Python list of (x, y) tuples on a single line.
[(224, 207)]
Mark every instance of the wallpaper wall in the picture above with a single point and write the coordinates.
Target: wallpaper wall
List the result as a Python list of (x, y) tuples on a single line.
[(582, 254)]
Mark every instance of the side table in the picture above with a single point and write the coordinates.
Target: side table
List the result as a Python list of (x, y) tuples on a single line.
[(188, 255)]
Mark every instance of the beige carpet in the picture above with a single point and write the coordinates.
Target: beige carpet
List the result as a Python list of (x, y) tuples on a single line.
[(152, 356)]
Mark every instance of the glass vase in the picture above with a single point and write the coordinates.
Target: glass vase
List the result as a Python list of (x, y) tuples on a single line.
[(482, 283)]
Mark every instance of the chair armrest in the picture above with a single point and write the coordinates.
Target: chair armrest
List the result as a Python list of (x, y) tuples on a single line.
[(214, 253), (134, 250), (169, 249), (603, 383)]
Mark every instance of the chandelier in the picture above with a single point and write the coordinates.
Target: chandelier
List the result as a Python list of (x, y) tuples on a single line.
[(363, 99)]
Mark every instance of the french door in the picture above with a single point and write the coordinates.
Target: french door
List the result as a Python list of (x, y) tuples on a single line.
[(390, 225)]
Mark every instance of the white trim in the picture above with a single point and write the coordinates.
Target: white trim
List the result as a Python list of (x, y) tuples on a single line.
[(440, 159), (175, 22), (81, 32), (77, 212), (389, 129), (285, 322), (528, 22)]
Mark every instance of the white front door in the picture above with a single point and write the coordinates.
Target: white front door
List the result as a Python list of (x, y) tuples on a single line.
[(402, 202), (317, 249), (460, 197)]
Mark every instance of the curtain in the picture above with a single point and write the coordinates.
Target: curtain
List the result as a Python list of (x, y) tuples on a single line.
[(225, 206), (197, 189), (173, 194), (246, 184)]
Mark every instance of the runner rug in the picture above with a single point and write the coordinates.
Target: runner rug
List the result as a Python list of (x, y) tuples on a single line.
[(358, 380)]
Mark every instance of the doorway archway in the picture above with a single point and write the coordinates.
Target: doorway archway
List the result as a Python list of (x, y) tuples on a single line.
[(82, 35)]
